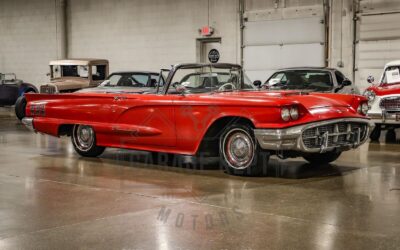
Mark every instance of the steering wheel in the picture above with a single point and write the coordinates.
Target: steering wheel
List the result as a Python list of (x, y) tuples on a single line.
[(225, 85)]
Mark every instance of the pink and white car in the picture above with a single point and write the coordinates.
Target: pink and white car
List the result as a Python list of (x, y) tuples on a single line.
[(384, 101)]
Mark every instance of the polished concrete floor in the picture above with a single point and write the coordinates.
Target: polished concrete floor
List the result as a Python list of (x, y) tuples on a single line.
[(50, 198)]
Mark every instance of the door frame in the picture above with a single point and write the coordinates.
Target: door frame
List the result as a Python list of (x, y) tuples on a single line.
[(204, 40)]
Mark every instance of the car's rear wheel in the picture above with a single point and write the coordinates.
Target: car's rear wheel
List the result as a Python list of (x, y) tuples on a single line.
[(240, 153), (20, 107), (322, 158), (84, 141)]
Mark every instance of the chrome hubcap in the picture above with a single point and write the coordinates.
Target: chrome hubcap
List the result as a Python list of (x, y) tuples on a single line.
[(238, 149), (84, 137)]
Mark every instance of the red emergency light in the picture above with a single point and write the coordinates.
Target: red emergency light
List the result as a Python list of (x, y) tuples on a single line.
[(206, 31)]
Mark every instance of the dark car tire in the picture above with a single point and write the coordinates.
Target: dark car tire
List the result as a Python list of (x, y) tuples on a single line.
[(322, 158), (20, 106), (240, 153), (376, 133), (84, 140), (390, 136)]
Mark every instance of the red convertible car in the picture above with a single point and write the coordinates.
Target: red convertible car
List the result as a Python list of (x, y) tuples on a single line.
[(207, 109)]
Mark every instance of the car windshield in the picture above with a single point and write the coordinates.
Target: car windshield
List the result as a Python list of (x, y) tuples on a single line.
[(391, 75), (314, 80), (58, 71), (134, 80), (209, 78), (9, 78)]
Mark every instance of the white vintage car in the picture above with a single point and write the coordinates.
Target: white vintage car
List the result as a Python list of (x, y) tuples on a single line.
[(384, 101)]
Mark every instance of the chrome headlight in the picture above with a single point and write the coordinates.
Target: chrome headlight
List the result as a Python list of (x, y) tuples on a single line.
[(294, 113), (285, 114), (370, 95), (363, 108)]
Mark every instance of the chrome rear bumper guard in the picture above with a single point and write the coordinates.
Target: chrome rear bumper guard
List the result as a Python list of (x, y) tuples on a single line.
[(291, 138), (28, 122)]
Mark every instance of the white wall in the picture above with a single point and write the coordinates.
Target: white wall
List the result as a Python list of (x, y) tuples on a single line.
[(133, 35), (341, 37), (149, 35), (27, 38)]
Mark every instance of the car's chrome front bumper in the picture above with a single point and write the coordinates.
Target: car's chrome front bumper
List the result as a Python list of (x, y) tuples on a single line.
[(385, 117), (292, 138), (28, 122)]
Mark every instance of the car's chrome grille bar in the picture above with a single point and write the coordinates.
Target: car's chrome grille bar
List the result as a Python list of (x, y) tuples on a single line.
[(46, 89), (334, 135), (390, 103)]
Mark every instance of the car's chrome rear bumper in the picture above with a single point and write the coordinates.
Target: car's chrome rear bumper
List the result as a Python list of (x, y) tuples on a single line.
[(292, 138), (28, 122)]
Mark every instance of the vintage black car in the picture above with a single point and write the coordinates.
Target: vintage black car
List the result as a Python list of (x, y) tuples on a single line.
[(316, 79), (11, 88)]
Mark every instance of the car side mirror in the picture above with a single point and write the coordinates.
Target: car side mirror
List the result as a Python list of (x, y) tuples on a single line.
[(257, 83), (346, 82), (180, 88), (371, 79)]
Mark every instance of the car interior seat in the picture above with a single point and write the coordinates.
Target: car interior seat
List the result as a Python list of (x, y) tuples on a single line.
[(210, 82), (153, 83)]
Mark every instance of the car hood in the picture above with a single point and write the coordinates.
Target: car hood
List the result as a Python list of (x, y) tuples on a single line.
[(278, 98), (69, 83), (105, 90), (386, 89)]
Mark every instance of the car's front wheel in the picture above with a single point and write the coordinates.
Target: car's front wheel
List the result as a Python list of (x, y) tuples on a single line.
[(240, 153), (322, 158), (376, 133), (84, 141)]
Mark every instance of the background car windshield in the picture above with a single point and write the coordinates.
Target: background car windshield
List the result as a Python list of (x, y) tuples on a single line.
[(204, 79), (58, 71), (391, 75), (301, 79), (8, 78), (135, 80)]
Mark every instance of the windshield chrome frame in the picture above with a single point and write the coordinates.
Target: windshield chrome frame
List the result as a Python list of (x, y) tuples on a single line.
[(177, 67)]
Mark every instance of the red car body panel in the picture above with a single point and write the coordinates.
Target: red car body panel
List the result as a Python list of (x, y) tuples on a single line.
[(385, 89), (177, 123)]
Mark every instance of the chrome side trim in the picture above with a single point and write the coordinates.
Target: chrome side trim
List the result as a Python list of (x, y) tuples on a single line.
[(28, 122), (291, 138)]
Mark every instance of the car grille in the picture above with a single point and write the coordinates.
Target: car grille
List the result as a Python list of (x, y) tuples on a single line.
[(47, 89), (335, 135), (390, 103)]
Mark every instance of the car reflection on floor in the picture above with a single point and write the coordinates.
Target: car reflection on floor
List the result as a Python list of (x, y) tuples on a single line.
[(52, 198)]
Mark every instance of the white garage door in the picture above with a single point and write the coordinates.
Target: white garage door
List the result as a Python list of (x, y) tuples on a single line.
[(378, 43), (273, 44)]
